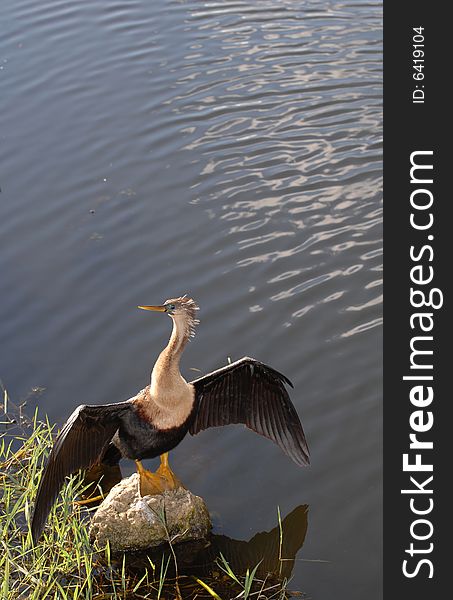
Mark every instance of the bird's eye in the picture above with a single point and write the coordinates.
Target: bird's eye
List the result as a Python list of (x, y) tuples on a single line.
[(171, 307)]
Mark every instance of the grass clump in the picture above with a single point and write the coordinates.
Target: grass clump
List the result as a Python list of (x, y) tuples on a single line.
[(65, 564)]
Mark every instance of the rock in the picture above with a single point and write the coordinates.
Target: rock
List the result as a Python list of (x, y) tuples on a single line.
[(130, 522)]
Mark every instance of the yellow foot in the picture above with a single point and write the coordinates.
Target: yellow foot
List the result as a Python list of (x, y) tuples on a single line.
[(150, 483), (165, 471), (156, 483)]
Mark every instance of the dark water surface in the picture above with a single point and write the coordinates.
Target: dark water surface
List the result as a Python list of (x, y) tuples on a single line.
[(227, 149)]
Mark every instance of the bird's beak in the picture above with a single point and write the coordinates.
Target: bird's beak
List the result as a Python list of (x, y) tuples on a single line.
[(155, 308)]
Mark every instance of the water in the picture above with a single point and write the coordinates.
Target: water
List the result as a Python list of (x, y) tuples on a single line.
[(231, 150)]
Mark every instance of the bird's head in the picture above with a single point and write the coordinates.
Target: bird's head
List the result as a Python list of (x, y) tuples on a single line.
[(182, 309)]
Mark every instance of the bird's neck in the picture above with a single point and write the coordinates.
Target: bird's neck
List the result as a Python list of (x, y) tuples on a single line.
[(166, 368)]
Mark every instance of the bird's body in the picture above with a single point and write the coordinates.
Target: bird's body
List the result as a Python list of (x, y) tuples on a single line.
[(157, 419), (140, 434)]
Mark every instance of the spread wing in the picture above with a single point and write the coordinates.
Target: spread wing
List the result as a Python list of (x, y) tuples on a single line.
[(79, 445), (254, 394)]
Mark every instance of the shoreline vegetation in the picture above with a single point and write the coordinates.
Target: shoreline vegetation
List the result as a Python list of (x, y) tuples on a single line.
[(66, 565)]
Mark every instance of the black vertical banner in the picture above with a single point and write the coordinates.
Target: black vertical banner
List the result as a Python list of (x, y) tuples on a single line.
[(417, 262)]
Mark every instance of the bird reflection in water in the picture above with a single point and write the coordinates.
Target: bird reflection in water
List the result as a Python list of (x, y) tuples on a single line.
[(275, 551)]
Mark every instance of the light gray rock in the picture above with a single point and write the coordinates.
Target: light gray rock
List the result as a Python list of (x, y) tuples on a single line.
[(130, 522)]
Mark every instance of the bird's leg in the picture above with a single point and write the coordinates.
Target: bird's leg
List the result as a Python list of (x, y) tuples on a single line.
[(150, 483), (156, 483), (90, 500), (100, 476), (165, 471)]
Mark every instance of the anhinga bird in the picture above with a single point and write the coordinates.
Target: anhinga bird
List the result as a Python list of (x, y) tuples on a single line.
[(156, 420)]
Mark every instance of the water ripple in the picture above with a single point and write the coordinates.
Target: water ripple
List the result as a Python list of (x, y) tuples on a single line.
[(231, 149)]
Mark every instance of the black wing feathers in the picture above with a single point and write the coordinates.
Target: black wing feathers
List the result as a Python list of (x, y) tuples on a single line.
[(254, 394), (79, 445)]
